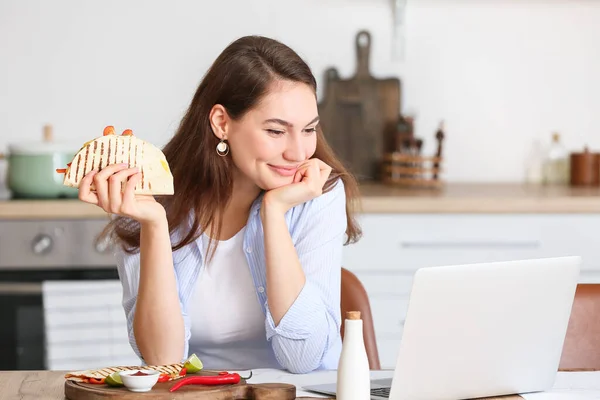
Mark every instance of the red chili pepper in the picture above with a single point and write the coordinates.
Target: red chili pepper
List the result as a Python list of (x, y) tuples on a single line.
[(224, 378), (97, 381), (183, 372), (164, 377)]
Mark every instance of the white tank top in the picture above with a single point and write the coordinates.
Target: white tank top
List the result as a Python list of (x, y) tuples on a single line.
[(227, 322)]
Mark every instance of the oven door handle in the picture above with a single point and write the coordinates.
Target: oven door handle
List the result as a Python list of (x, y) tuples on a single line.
[(20, 288)]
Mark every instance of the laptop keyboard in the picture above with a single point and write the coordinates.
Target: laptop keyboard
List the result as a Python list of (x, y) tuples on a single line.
[(381, 392)]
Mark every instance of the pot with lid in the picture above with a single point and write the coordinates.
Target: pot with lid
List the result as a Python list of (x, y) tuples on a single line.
[(31, 170)]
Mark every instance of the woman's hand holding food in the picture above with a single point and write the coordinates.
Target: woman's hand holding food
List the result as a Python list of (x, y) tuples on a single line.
[(111, 198)]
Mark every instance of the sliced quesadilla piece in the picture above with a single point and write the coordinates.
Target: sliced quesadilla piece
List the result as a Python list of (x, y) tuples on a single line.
[(116, 149), (172, 370)]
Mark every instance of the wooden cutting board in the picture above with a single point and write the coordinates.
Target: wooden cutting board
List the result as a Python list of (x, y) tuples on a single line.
[(160, 391), (359, 115)]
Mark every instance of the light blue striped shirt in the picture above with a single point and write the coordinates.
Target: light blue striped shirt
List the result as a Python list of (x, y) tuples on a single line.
[(308, 336)]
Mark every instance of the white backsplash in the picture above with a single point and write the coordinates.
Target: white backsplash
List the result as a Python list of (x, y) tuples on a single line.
[(501, 73)]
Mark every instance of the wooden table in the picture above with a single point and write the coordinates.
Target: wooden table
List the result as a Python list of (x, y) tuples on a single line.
[(25, 385), (49, 385)]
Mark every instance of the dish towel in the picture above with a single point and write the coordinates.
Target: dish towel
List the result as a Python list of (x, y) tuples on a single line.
[(85, 325)]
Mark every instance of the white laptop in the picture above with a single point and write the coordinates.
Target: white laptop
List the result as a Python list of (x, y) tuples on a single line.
[(481, 330)]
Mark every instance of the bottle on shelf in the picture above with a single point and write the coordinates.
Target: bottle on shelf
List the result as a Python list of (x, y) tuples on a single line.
[(556, 163), (353, 375), (534, 164)]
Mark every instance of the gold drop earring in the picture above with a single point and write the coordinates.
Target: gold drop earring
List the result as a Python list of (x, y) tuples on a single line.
[(222, 148)]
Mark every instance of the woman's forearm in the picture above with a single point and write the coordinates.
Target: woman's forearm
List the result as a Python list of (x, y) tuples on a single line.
[(285, 277), (158, 323)]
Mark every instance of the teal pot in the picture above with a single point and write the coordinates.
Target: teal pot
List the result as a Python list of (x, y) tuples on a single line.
[(31, 170)]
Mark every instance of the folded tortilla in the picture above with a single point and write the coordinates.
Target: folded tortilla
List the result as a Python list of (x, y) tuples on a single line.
[(125, 148), (84, 376)]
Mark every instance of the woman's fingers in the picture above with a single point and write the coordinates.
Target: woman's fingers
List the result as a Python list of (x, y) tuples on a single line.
[(101, 183), (85, 188), (297, 176), (115, 188), (312, 170), (314, 173), (318, 172), (324, 168), (300, 172), (303, 169), (129, 194)]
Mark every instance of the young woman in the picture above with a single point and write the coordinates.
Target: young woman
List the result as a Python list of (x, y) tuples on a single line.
[(242, 265)]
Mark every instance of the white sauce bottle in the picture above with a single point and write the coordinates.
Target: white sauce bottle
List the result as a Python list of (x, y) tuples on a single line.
[(353, 375)]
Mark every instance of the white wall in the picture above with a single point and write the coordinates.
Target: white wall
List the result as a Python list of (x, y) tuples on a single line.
[(501, 73)]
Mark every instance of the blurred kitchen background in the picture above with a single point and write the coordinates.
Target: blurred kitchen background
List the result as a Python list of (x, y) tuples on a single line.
[(449, 92), (503, 74)]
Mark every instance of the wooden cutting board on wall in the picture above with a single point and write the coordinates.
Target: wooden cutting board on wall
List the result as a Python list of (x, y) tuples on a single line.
[(359, 115)]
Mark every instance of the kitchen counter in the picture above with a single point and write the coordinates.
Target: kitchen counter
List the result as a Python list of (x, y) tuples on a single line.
[(49, 209), (473, 198), (377, 198)]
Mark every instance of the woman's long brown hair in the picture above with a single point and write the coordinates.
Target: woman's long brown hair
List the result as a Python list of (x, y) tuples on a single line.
[(237, 80)]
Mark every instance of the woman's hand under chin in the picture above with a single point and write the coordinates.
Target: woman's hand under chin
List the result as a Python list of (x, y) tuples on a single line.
[(308, 183)]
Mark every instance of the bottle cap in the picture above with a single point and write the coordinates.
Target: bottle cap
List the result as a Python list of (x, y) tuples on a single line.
[(353, 315), (47, 133)]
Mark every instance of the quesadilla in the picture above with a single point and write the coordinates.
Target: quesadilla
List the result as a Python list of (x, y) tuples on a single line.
[(116, 149), (172, 370)]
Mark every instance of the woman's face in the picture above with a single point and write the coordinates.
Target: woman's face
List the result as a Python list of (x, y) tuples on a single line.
[(270, 142)]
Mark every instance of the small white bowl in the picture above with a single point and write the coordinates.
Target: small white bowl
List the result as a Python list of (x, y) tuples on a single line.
[(139, 383)]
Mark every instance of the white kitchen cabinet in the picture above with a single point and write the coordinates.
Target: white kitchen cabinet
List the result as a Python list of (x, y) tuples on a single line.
[(394, 246)]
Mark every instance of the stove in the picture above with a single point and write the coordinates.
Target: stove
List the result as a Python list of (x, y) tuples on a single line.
[(33, 252), (58, 244)]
